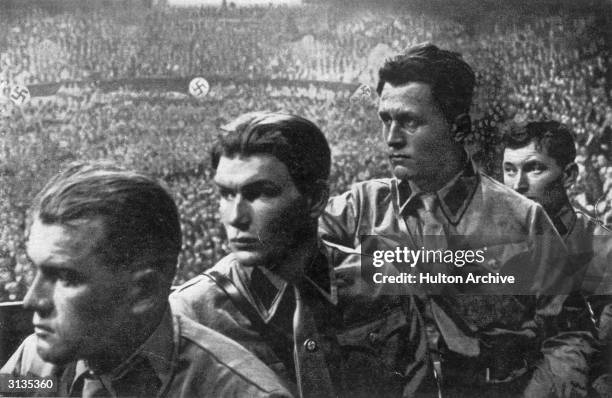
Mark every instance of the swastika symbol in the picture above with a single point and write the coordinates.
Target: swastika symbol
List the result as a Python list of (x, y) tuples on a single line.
[(363, 95), (19, 95), (365, 91), (199, 87)]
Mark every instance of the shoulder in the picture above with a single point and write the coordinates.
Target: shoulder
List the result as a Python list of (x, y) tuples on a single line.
[(368, 188), (224, 365), (205, 302), (202, 299), (373, 188), (497, 192), (203, 284), (501, 199), (364, 196)]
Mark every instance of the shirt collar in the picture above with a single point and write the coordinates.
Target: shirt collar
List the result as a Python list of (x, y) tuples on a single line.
[(159, 350), (454, 197), (564, 220), (319, 277)]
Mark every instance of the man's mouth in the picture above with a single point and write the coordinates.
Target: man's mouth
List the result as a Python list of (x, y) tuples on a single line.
[(42, 330), (399, 156), (244, 242)]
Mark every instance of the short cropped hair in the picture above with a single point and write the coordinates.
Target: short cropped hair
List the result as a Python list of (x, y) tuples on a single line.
[(551, 137), (451, 79), (140, 217), (294, 140)]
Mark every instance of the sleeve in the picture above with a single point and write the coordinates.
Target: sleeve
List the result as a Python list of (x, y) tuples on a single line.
[(567, 344), (338, 224)]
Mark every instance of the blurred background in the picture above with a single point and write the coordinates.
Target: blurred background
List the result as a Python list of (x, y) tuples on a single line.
[(109, 80)]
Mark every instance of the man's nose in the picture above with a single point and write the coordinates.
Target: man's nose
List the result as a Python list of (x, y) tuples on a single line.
[(521, 184), (39, 296), (237, 212), (394, 136)]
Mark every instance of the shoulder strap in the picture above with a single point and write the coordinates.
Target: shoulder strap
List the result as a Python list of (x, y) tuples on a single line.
[(237, 299)]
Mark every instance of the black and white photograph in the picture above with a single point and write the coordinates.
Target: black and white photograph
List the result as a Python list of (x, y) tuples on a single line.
[(306, 198)]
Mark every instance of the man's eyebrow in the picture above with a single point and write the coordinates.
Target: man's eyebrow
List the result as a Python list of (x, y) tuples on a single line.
[(220, 184), (534, 159), (264, 182), (397, 113)]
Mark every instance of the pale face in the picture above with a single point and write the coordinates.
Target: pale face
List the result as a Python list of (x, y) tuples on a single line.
[(415, 130), (78, 303), (261, 208), (534, 175)]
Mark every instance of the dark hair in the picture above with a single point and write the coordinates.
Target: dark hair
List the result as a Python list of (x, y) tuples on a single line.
[(551, 137), (294, 140), (139, 215), (451, 79)]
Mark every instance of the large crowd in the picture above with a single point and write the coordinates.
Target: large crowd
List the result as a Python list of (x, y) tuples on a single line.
[(555, 66)]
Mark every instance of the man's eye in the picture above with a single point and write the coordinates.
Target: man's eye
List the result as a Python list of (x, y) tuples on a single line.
[(537, 168), (540, 168), (410, 124), (509, 171), (226, 193), (264, 192), (66, 276), (69, 277)]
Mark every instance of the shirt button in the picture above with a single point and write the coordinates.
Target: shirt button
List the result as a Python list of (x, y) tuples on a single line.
[(311, 345), (373, 337)]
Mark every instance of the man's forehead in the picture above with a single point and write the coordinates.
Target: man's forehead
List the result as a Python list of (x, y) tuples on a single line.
[(530, 151), (396, 97), (60, 242), (244, 169)]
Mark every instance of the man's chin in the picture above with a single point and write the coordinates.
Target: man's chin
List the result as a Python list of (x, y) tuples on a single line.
[(249, 259), (50, 354)]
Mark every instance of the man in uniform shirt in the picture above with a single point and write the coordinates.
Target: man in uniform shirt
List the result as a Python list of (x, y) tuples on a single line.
[(105, 242), (480, 341), (539, 163), (276, 292)]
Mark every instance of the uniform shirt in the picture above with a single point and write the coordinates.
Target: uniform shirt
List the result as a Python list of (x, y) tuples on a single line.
[(354, 352), (180, 359), (594, 246), (499, 332)]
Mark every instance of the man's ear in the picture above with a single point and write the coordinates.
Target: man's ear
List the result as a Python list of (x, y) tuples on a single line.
[(317, 201), (570, 174), (461, 128), (147, 286)]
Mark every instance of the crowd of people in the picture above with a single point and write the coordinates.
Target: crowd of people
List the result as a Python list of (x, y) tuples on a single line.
[(555, 67)]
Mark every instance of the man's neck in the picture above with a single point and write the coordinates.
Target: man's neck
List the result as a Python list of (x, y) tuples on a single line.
[(121, 348), (292, 267), (452, 166)]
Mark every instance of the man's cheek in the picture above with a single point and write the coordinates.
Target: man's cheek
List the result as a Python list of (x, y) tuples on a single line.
[(283, 226), (90, 304)]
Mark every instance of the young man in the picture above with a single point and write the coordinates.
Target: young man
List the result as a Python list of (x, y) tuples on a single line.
[(538, 163), (276, 292), (477, 340), (105, 241)]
